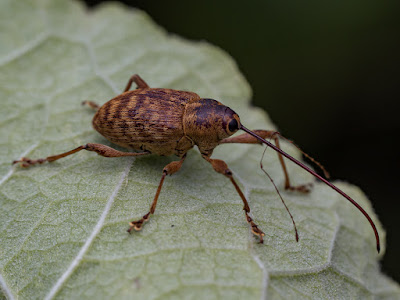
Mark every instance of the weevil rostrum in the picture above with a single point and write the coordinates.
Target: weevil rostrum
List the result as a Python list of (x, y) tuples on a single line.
[(166, 122)]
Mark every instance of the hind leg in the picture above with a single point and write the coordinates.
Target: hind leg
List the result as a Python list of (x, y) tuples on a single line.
[(100, 149), (91, 104)]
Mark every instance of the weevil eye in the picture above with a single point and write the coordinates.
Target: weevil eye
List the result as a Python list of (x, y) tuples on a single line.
[(233, 126)]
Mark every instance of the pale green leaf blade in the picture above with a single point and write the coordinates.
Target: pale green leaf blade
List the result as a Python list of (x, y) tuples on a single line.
[(63, 225)]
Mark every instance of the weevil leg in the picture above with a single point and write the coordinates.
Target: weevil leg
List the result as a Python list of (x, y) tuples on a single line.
[(169, 169), (100, 149), (246, 138), (91, 104), (221, 167), (141, 84)]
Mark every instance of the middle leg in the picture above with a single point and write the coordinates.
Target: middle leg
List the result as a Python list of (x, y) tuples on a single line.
[(141, 84), (221, 167), (169, 169)]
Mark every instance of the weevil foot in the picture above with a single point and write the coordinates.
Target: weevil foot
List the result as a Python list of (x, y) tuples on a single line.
[(27, 162), (303, 188), (254, 229), (137, 225)]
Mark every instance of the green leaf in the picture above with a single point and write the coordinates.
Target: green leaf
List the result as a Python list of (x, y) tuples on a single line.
[(63, 225)]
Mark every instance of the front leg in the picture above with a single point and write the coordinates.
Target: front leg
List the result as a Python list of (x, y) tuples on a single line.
[(246, 138), (221, 167)]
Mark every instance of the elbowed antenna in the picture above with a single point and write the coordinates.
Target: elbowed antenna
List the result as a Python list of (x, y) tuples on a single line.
[(378, 247)]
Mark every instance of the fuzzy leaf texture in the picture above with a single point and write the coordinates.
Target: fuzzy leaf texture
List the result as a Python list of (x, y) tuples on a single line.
[(63, 225)]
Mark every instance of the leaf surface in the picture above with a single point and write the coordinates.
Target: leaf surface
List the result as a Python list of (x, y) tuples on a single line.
[(63, 225)]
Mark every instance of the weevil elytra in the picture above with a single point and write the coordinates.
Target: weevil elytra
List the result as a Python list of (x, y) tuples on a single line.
[(166, 122)]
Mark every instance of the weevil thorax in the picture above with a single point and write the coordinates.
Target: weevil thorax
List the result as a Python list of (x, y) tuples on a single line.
[(207, 122)]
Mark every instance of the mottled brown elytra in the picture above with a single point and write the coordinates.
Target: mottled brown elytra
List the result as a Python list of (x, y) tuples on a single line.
[(166, 122)]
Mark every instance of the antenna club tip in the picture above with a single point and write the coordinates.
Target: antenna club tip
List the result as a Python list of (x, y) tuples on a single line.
[(378, 247)]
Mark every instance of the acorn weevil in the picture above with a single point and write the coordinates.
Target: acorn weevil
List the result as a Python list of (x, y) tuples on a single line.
[(166, 122)]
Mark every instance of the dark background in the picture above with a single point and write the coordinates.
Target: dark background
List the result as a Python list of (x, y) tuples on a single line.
[(327, 72)]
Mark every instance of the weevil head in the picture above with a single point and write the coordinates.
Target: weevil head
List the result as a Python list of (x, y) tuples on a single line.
[(207, 122)]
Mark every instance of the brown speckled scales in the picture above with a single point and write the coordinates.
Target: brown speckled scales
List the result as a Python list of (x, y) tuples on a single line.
[(147, 119)]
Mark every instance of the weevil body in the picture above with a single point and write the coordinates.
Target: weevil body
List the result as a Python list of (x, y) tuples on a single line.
[(166, 122)]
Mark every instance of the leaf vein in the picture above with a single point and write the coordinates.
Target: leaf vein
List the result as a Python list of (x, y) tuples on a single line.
[(5, 288), (75, 262)]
